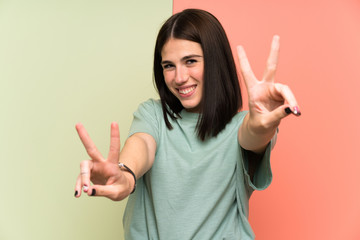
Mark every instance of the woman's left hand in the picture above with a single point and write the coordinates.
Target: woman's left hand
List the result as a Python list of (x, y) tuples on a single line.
[(269, 102)]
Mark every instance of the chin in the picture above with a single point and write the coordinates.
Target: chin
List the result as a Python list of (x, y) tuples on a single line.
[(191, 108)]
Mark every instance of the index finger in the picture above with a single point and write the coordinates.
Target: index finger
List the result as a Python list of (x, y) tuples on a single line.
[(89, 145), (114, 151), (246, 71)]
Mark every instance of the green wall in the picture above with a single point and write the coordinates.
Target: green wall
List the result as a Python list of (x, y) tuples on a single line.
[(63, 62)]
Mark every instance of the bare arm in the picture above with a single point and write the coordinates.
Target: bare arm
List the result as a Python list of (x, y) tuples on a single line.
[(255, 141), (138, 154)]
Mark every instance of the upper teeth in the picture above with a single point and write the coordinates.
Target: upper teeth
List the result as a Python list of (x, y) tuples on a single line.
[(186, 90)]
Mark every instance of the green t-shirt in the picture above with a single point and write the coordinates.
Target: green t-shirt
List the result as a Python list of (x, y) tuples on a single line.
[(195, 189)]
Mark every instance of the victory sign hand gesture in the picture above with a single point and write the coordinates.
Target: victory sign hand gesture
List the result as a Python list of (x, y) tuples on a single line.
[(269, 102), (108, 179)]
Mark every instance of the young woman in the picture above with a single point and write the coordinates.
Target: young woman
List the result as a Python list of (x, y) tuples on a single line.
[(192, 156)]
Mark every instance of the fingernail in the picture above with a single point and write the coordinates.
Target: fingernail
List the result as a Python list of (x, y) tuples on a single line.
[(93, 192), (288, 110), (297, 111), (76, 193), (85, 188)]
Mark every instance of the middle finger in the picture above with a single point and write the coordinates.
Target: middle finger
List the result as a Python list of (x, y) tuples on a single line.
[(114, 143), (272, 61)]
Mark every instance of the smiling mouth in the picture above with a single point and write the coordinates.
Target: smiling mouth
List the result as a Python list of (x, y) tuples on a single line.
[(186, 91)]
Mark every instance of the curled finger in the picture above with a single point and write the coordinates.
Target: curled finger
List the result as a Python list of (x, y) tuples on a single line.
[(78, 187), (289, 97), (85, 171)]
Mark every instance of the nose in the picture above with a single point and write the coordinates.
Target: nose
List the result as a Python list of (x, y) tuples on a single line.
[(182, 75)]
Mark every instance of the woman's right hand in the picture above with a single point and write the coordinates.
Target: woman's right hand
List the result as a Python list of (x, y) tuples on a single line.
[(109, 181)]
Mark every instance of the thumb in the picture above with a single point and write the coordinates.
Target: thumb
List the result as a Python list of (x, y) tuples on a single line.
[(284, 111), (113, 192)]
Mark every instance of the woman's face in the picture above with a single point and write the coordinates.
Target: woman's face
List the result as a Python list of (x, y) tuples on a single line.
[(183, 68)]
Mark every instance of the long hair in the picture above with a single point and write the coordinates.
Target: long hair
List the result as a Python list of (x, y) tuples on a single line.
[(221, 98)]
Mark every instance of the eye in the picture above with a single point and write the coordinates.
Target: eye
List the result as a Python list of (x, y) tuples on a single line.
[(167, 66), (190, 61)]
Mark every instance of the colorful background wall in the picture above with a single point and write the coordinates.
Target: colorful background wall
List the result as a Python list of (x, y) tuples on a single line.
[(63, 62), (315, 192)]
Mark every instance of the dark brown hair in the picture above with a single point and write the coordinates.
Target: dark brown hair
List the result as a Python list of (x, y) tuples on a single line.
[(221, 93)]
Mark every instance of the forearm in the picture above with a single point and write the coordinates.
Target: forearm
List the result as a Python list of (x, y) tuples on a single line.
[(255, 137), (138, 154)]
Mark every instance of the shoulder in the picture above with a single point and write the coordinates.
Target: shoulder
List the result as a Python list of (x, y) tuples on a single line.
[(147, 119), (151, 104), (150, 107)]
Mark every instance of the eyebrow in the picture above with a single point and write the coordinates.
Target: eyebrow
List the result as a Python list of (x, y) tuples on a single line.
[(183, 58)]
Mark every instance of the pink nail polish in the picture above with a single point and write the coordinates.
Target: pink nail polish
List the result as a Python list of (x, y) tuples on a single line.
[(297, 111), (85, 188)]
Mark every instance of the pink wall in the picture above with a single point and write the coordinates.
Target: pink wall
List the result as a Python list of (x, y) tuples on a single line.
[(315, 193)]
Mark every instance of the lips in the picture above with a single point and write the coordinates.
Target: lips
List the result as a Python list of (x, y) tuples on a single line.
[(187, 91)]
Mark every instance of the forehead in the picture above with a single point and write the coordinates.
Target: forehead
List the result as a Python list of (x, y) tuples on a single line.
[(179, 48)]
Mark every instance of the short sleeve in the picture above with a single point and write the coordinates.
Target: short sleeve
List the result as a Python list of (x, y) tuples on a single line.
[(263, 175), (147, 119)]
